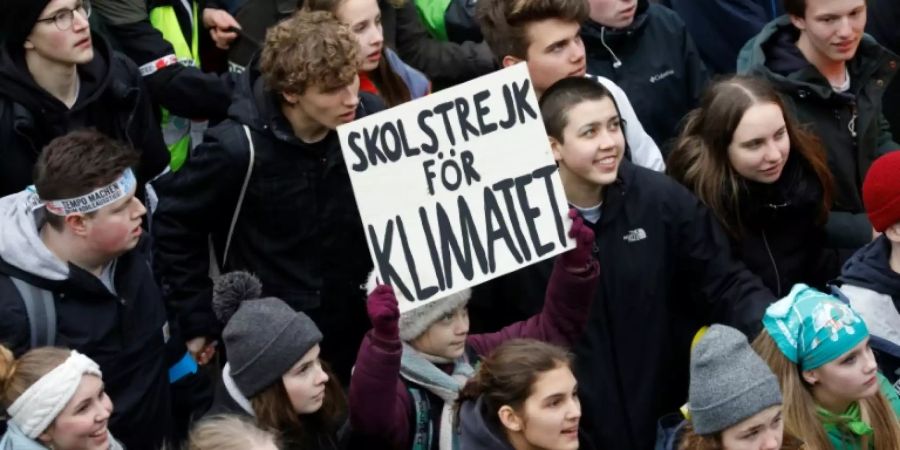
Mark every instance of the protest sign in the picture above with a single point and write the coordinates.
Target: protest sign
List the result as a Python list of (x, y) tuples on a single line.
[(458, 187)]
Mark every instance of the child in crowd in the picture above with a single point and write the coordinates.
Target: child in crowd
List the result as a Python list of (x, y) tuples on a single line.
[(391, 79), (523, 396), (274, 373), (56, 400), (871, 278), (230, 432), (764, 178), (667, 270), (734, 399), (834, 397), (411, 366)]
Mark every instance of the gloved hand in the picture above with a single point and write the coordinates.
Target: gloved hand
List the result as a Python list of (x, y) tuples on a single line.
[(579, 259), (384, 312)]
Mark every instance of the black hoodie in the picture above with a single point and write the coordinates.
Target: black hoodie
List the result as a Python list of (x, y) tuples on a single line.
[(111, 99), (873, 289)]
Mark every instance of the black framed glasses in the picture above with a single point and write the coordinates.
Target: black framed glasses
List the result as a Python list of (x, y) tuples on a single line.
[(64, 17)]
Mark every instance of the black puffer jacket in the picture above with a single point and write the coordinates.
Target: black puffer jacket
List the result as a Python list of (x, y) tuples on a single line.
[(112, 99), (655, 62), (883, 17)]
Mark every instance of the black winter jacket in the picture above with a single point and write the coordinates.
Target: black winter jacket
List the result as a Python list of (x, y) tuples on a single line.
[(112, 99), (665, 270), (883, 17), (122, 332), (851, 125), (655, 62), (299, 229)]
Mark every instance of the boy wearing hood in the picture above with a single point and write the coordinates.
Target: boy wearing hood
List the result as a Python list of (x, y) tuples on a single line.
[(871, 278), (76, 238), (646, 49), (270, 185), (833, 76), (55, 77)]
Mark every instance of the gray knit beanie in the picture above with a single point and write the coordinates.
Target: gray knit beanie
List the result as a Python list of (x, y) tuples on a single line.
[(264, 337), (414, 322), (729, 381)]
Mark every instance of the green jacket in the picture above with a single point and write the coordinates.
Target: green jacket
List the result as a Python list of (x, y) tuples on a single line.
[(851, 125)]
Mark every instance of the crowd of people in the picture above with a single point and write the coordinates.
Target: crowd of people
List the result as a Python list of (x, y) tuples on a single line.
[(183, 263)]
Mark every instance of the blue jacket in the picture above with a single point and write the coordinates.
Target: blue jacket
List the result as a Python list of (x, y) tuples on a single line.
[(415, 81)]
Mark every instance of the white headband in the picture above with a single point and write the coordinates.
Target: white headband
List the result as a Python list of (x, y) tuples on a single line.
[(93, 200), (39, 405)]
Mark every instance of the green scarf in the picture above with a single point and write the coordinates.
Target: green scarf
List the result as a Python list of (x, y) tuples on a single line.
[(851, 420)]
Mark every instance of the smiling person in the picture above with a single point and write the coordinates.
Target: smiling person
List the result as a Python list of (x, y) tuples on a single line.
[(832, 77), (56, 400), (381, 71), (73, 245), (55, 77), (765, 179), (274, 374), (835, 398)]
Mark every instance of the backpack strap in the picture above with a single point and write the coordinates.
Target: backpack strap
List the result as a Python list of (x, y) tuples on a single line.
[(41, 311), (423, 431), (240, 200)]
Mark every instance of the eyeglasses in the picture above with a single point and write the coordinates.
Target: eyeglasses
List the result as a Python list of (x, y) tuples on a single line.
[(64, 17)]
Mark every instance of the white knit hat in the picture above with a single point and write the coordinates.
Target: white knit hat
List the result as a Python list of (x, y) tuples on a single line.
[(414, 322)]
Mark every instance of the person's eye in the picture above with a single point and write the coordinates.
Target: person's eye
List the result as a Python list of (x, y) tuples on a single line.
[(781, 133), (589, 133), (849, 360), (615, 125)]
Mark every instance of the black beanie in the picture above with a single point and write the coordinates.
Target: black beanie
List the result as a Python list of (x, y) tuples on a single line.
[(20, 17)]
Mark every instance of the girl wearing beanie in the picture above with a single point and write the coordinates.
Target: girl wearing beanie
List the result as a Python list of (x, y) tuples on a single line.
[(55, 400), (734, 399), (273, 373), (524, 396), (766, 180), (834, 397), (411, 366)]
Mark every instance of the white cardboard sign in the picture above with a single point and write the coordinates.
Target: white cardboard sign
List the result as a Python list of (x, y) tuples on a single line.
[(457, 188)]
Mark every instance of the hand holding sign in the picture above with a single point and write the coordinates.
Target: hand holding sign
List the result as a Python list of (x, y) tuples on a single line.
[(457, 188), (384, 313)]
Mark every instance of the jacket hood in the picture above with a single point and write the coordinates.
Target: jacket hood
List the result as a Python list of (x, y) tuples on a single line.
[(20, 241), (475, 432), (870, 268), (17, 84)]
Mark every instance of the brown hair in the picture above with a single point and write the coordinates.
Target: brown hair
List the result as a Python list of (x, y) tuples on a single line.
[(390, 86), (17, 375), (800, 417), (504, 23), (563, 95), (228, 432), (796, 7), (693, 441), (507, 376), (77, 163), (310, 48), (700, 157), (274, 412)]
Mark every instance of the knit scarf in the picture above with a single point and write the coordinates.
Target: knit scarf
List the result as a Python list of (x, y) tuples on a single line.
[(850, 420), (419, 368)]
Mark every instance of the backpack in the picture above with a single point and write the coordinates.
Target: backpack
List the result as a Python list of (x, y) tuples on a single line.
[(40, 308)]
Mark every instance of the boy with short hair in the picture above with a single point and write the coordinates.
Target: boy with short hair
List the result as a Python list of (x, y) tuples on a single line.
[(271, 187), (545, 34), (871, 278), (667, 270), (833, 76), (73, 245)]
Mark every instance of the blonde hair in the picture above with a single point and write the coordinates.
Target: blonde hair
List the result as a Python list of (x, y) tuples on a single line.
[(310, 48), (800, 417), (693, 441), (17, 375), (229, 432)]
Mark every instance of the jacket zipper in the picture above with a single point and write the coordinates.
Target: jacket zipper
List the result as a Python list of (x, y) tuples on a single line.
[(774, 265)]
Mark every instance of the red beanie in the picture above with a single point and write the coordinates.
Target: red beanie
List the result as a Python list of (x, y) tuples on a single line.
[(881, 191)]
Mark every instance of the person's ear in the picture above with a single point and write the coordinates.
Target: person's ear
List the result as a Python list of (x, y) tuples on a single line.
[(290, 98), (510, 60), (798, 22), (893, 232), (77, 223), (28, 45), (45, 438), (510, 420), (556, 148), (810, 376)]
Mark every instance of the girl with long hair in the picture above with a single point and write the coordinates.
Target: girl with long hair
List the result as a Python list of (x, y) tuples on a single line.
[(834, 397), (765, 179), (274, 373), (382, 72)]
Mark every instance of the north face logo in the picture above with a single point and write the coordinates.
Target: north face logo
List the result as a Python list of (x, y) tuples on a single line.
[(637, 234)]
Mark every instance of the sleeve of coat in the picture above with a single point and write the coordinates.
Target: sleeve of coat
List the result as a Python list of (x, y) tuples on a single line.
[(195, 202), (729, 291), (562, 319), (644, 151), (444, 63), (886, 141), (380, 405), (146, 134), (848, 230)]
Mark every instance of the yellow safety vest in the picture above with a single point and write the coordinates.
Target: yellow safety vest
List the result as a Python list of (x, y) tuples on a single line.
[(177, 130)]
